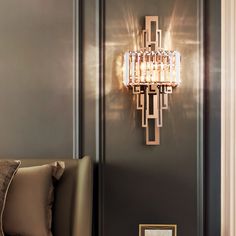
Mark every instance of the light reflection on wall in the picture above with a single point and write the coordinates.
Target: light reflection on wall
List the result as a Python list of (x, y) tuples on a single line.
[(178, 33), (133, 28)]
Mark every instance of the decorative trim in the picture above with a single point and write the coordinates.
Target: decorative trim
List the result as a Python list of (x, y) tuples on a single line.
[(102, 131), (200, 122), (77, 82), (228, 118)]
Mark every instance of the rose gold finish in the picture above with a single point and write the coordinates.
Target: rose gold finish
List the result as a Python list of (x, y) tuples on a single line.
[(147, 33), (150, 75)]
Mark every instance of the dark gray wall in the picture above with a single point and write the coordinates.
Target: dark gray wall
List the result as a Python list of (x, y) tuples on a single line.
[(145, 184), (212, 117), (36, 78)]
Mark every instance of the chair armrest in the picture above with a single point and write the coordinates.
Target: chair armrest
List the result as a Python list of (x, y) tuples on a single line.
[(82, 223)]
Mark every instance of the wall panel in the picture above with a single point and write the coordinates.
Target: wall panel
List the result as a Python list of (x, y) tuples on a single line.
[(36, 78), (151, 184)]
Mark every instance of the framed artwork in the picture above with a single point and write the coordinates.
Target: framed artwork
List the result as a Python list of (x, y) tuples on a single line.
[(157, 230)]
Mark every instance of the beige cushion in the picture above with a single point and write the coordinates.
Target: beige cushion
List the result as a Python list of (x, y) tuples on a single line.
[(7, 172), (28, 209)]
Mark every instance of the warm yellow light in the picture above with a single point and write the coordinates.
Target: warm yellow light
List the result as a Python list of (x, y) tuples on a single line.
[(160, 67)]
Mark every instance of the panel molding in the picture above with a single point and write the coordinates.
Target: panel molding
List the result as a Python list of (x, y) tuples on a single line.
[(101, 142), (228, 119), (75, 83), (101, 120), (200, 123), (77, 87)]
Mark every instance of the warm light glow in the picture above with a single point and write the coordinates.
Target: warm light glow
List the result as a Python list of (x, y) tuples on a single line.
[(152, 67)]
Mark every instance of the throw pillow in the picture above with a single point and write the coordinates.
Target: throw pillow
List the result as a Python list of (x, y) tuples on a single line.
[(7, 171), (28, 209)]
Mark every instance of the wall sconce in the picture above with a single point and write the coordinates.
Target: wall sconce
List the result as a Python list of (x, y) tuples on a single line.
[(151, 73)]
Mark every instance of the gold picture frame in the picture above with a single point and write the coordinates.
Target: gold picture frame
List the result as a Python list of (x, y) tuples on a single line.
[(157, 230)]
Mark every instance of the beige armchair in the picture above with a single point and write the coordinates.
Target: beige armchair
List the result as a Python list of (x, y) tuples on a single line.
[(72, 211)]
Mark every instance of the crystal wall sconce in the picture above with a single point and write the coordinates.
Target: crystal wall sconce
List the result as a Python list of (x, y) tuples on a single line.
[(151, 73)]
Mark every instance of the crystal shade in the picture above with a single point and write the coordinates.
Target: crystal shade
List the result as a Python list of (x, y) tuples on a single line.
[(159, 67)]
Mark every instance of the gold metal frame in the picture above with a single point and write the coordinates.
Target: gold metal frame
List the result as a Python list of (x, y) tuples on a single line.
[(151, 110), (143, 227)]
